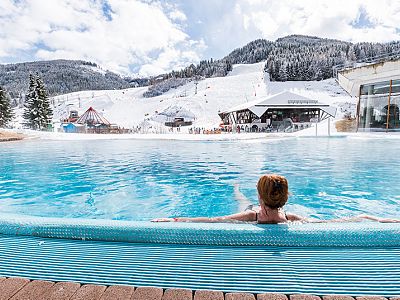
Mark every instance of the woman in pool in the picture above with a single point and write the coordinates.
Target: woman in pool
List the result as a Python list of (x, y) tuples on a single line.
[(273, 193)]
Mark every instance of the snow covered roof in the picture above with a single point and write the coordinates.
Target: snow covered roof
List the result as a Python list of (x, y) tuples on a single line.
[(282, 100), (178, 111), (92, 117)]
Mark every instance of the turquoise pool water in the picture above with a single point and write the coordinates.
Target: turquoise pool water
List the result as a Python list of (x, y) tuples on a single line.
[(141, 180)]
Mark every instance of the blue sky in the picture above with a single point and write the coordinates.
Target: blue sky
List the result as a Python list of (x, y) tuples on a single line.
[(155, 36)]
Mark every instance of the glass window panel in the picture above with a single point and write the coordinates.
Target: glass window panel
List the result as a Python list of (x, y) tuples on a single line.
[(395, 86), (381, 88), (373, 112), (364, 90), (394, 113)]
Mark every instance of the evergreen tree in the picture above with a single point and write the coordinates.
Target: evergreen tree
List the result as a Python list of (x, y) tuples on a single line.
[(38, 112), (6, 112), (31, 103), (283, 76), (46, 113)]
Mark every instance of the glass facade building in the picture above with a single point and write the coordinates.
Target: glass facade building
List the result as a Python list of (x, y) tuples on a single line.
[(378, 106)]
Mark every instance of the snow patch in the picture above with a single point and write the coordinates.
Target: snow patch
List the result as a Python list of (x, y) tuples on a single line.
[(95, 69)]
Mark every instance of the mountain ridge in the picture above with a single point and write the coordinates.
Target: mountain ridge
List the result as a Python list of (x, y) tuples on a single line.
[(290, 58), (60, 76)]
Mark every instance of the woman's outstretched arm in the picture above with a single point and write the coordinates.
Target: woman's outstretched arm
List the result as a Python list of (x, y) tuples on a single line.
[(358, 218), (246, 216), (363, 217), (294, 218)]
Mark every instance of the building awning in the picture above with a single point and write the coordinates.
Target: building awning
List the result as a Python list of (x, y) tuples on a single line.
[(284, 100)]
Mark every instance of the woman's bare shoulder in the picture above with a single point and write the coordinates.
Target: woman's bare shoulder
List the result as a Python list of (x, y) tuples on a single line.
[(245, 216)]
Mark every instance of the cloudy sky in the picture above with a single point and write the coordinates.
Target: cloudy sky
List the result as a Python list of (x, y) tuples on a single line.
[(154, 36)]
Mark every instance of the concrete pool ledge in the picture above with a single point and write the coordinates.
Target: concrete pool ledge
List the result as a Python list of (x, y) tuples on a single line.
[(368, 234)]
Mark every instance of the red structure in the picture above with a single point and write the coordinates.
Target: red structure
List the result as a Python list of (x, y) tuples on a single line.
[(92, 118), (94, 122)]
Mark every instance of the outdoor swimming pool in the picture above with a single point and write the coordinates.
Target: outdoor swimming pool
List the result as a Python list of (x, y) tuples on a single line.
[(79, 211), (143, 179)]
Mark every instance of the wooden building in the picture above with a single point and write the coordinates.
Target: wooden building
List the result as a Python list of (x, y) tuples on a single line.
[(283, 112)]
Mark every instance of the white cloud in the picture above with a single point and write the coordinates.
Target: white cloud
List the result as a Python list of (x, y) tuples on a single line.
[(177, 15), (155, 36), (331, 19), (230, 24), (172, 59), (136, 32)]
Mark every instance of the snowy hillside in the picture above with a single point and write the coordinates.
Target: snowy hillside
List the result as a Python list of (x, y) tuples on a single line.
[(128, 108), (60, 76)]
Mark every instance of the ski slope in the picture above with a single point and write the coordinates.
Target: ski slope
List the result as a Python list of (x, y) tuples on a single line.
[(128, 108)]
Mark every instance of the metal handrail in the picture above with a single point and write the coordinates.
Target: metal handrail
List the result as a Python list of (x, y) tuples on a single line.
[(366, 61)]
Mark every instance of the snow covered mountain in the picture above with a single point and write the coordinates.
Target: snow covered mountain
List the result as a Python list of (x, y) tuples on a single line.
[(60, 76), (128, 108), (292, 58)]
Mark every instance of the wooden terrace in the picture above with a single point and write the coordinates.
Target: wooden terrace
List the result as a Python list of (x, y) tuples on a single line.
[(17, 288)]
